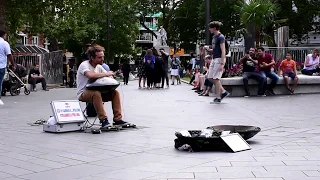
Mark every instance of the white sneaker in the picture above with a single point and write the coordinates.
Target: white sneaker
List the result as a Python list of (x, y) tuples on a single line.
[(1, 103)]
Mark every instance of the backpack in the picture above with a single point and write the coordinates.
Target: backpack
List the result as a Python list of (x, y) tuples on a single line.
[(197, 62), (226, 45), (91, 111)]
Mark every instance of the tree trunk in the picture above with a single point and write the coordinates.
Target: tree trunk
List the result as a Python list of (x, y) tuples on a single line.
[(249, 38), (3, 14), (258, 38)]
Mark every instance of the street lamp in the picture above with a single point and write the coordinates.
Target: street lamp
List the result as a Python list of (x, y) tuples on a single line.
[(207, 21), (108, 31)]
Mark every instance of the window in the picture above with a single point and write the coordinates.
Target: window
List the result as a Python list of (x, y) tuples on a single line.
[(35, 40)]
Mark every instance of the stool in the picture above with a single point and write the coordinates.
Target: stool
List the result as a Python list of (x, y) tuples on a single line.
[(87, 123)]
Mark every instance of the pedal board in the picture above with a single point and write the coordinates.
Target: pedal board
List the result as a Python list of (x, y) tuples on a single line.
[(110, 128)]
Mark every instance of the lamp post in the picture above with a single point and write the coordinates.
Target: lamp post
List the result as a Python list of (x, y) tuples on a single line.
[(207, 21), (108, 31)]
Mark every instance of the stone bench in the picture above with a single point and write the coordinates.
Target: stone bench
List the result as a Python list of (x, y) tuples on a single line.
[(306, 85)]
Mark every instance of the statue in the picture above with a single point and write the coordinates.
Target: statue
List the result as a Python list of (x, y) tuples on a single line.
[(163, 36)]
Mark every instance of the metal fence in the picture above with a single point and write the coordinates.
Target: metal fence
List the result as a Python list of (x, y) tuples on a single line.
[(298, 53), (51, 65)]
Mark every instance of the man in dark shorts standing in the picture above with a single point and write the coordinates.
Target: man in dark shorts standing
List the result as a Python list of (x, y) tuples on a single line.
[(265, 63), (250, 63)]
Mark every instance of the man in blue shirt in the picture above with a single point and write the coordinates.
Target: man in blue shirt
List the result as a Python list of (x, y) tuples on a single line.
[(216, 68)]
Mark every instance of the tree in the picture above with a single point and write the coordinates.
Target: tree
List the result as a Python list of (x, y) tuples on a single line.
[(188, 21), (256, 16), (301, 15), (75, 22), (2, 14)]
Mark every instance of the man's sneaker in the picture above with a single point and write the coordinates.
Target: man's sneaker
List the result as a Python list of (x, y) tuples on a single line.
[(247, 95), (270, 92), (217, 101), (262, 95), (225, 94), (119, 122), (1, 103), (105, 123)]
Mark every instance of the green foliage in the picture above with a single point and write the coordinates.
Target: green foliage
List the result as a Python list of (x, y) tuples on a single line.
[(300, 21), (188, 21), (260, 14), (76, 22)]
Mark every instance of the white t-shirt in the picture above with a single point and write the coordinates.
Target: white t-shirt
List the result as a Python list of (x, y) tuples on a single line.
[(82, 80), (4, 52)]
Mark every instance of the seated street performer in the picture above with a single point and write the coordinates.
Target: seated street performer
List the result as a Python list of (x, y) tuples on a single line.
[(90, 70)]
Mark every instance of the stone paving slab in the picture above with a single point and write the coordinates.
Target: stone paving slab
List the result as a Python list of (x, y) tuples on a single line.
[(286, 149)]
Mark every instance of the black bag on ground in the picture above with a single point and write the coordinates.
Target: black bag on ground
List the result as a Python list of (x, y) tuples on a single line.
[(91, 111)]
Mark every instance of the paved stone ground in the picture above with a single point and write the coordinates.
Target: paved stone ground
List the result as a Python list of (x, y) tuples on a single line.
[(286, 149)]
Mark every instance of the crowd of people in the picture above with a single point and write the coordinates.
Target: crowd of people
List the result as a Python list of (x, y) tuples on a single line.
[(259, 65), (153, 69)]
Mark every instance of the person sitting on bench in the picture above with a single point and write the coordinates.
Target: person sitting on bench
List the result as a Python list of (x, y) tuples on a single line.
[(35, 77), (90, 70)]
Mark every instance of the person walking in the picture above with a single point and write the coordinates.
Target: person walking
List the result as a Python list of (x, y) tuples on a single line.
[(219, 60), (5, 54), (126, 71)]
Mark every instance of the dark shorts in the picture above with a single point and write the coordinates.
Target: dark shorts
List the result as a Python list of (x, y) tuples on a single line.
[(208, 83), (290, 75)]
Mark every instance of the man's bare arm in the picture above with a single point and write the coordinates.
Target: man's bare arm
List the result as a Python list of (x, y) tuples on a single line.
[(223, 52), (10, 58), (307, 63), (94, 75), (273, 62)]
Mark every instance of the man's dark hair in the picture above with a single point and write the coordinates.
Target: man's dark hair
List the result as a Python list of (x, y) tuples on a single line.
[(215, 24), (289, 52), (261, 48), (2, 32), (94, 49)]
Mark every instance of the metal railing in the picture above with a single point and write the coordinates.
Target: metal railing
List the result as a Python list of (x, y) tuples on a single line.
[(279, 53), (52, 67), (146, 37)]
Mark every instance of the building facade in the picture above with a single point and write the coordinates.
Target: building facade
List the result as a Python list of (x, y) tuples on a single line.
[(146, 39)]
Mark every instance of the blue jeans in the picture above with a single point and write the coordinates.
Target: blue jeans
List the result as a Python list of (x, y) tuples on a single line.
[(274, 80), (2, 73), (254, 75)]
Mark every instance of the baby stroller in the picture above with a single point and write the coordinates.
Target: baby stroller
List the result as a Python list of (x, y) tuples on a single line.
[(12, 83)]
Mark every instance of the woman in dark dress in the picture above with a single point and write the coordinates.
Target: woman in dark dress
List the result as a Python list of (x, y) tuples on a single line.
[(126, 71), (142, 70), (149, 64)]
